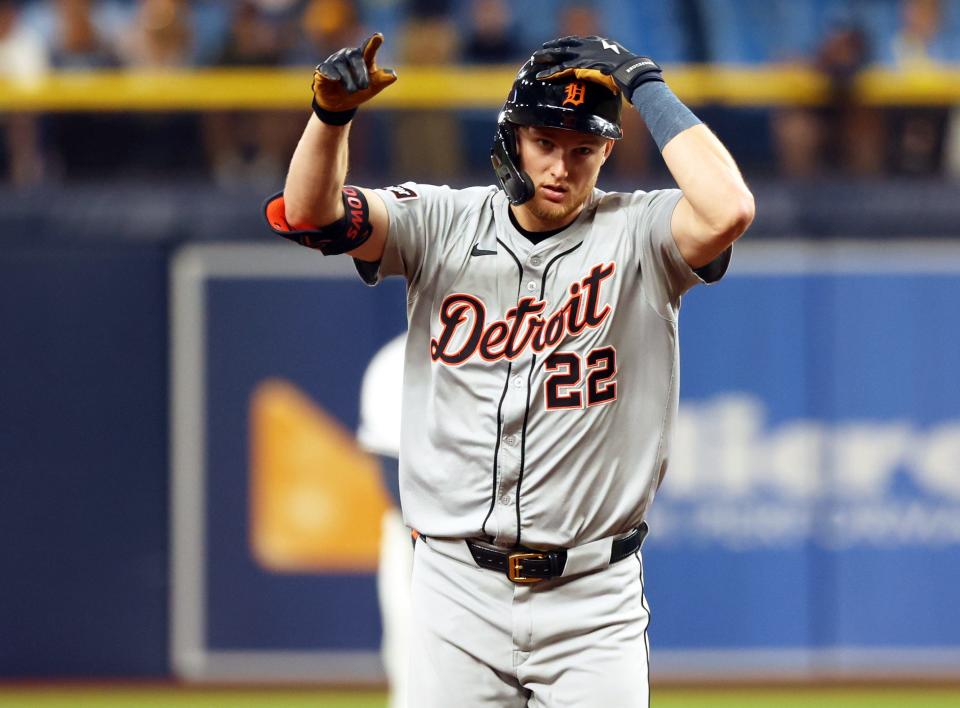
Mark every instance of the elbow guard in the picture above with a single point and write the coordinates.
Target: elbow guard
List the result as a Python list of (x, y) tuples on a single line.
[(343, 235)]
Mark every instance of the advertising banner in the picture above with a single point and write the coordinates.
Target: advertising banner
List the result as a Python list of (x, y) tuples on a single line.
[(809, 522)]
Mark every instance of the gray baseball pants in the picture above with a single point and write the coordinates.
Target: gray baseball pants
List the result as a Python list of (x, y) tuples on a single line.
[(480, 640)]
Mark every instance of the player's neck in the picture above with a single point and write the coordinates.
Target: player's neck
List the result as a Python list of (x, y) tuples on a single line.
[(534, 237), (528, 222)]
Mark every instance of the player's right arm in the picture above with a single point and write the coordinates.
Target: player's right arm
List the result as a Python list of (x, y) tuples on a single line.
[(317, 210)]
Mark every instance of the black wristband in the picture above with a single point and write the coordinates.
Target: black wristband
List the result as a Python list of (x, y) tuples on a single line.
[(664, 113), (333, 117)]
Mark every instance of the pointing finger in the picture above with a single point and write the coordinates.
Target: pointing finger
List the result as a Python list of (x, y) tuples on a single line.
[(370, 48)]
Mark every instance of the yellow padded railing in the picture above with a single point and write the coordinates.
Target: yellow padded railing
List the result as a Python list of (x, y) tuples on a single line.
[(423, 87)]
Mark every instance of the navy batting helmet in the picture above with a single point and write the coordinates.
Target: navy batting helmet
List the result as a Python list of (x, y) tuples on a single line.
[(574, 104)]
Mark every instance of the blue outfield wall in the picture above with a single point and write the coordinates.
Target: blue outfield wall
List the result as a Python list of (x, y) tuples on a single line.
[(812, 507), (814, 500), (83, 460)]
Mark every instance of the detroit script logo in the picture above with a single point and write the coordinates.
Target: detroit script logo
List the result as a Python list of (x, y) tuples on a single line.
[(463, 318)]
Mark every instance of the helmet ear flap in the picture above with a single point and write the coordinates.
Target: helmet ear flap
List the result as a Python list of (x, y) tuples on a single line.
[(506, 164)]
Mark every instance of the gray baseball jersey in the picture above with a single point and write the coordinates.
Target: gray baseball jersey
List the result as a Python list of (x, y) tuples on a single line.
[(541, 381)]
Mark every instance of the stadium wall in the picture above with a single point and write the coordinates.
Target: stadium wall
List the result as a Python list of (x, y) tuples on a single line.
[(808, 525)]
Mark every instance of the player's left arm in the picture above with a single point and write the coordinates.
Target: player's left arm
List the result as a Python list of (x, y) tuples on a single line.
[(717, 207)]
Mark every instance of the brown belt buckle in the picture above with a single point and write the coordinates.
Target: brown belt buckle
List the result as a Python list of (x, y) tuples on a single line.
[(514, 569)]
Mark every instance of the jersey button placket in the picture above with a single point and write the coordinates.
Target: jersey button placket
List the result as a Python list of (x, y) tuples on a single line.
[(509, 458), (514, 412)]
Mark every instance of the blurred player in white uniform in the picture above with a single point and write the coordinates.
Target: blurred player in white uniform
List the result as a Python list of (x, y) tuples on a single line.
[(379, 434)]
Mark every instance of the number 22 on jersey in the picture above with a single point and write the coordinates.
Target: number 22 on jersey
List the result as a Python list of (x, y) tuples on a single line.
[(564, 388)]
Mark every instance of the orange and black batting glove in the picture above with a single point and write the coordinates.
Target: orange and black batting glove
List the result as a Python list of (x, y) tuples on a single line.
[(348, 78), (597, 59)]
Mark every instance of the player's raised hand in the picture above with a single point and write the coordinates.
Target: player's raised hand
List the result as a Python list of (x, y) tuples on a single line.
[(350, 77), (596, 59)]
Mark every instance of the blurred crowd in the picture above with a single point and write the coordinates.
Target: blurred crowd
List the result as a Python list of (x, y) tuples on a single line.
[(839, 37)]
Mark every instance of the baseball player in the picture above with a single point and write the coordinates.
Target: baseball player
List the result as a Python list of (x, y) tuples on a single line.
[(541, 364)]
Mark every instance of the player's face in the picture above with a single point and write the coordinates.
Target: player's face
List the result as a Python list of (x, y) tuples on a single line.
[(563, 165)]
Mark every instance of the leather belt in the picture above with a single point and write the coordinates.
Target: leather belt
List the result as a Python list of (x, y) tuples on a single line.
[(528, 565)]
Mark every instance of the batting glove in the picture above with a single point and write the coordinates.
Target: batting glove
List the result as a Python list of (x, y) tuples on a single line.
[(596, 59), (348, 78)]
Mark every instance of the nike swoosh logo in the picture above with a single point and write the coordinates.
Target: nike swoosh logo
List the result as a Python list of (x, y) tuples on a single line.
[(477, 251)]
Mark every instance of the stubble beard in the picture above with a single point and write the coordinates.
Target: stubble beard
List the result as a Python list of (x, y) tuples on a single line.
[(559, 214)]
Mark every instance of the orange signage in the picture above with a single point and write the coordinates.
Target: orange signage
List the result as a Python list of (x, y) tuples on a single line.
[(316, 499)]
